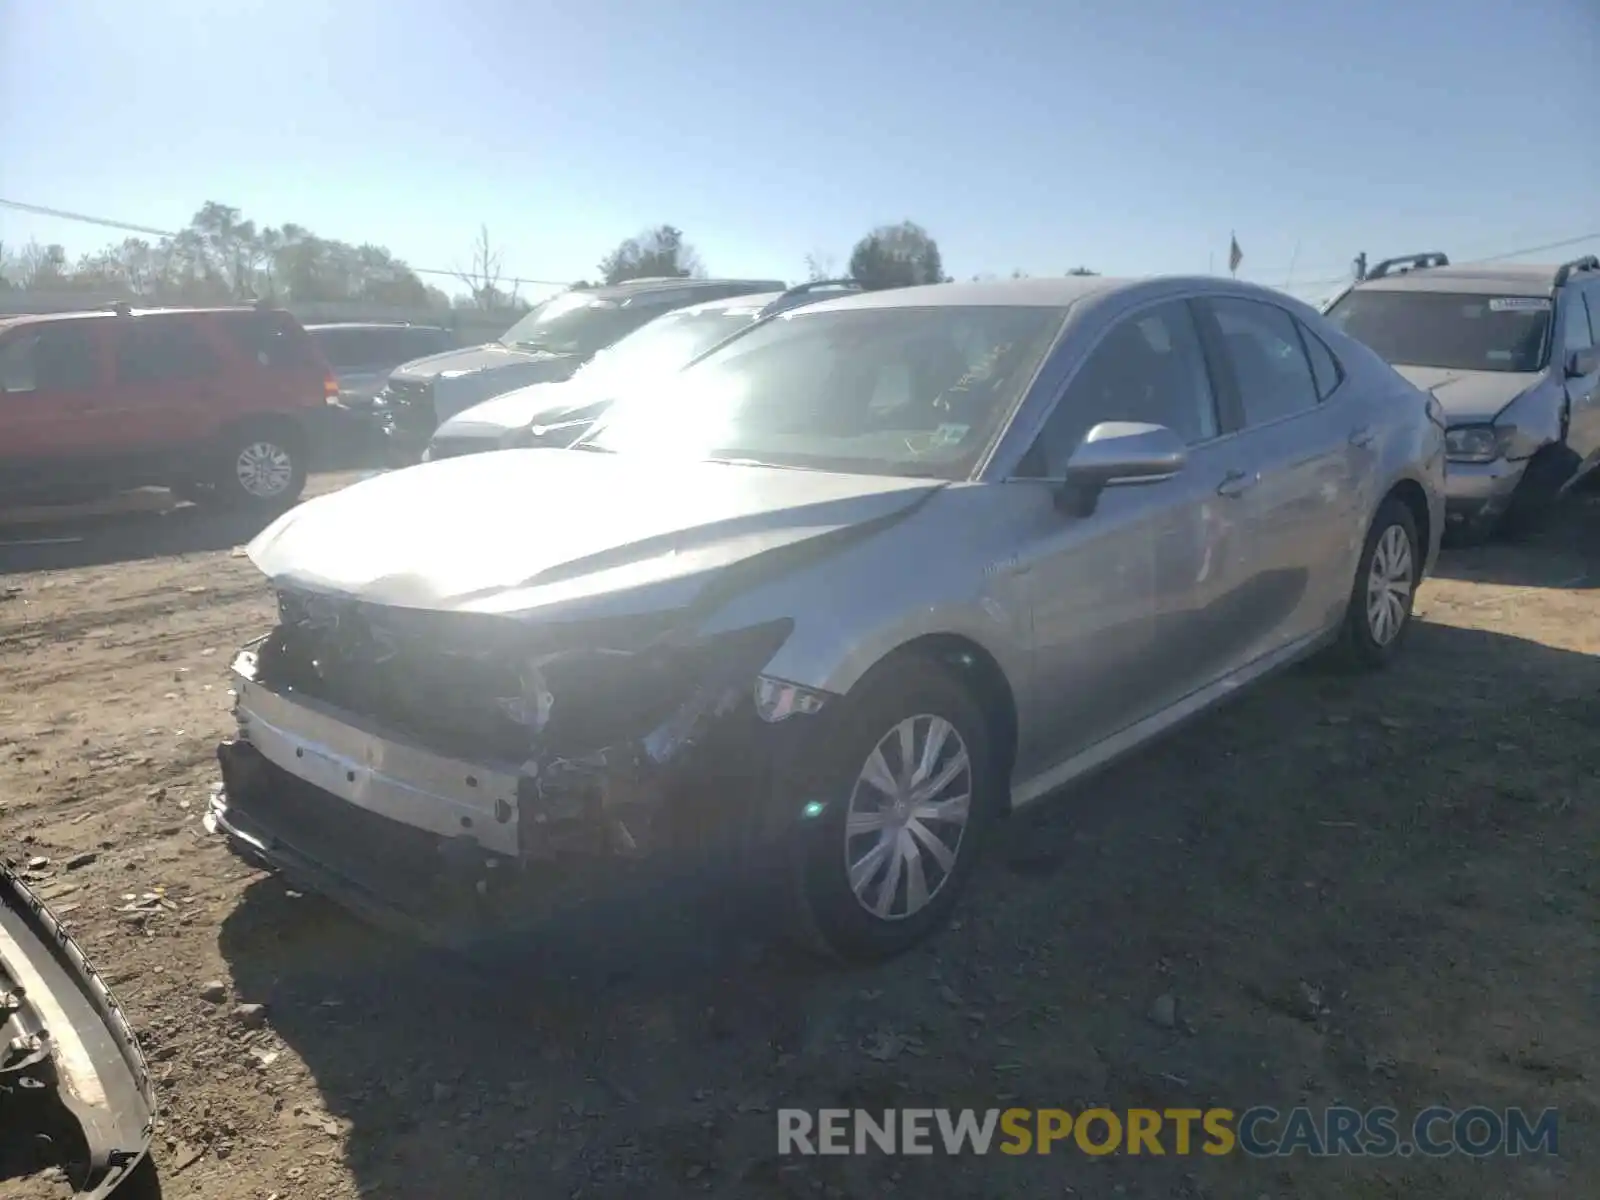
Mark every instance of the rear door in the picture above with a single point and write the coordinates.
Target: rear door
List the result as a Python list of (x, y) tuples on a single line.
[(278, 367), (166, 391), (50, 374), (1304, 443)]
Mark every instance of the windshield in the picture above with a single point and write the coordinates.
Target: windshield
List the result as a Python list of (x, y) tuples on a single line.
[(575, 323), (882, 391), (1448, 331), (669, 342)]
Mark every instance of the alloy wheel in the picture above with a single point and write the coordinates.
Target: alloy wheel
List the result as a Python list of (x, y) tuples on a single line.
[(264, 470), (908, 816), (1389, 583)]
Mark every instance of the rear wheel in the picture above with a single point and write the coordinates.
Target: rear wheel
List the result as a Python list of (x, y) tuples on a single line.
[(1381, 599), (910, 790), (262, 467)]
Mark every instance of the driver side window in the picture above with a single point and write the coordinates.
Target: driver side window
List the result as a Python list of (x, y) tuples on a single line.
[(1148, 368)]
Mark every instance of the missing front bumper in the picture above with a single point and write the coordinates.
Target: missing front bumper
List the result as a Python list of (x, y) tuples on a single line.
[(451, 850)]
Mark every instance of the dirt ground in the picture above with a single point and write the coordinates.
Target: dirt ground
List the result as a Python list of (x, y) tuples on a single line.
[(1369, 891)]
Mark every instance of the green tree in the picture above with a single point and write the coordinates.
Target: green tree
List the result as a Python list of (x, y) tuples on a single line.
[(902, 255), (656, 253), (1082, 271)]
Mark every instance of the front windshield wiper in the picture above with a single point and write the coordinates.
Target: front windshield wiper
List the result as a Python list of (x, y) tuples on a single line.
[(756, 462), (595, 446)]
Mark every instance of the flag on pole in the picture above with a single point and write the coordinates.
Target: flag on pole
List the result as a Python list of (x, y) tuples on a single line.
[(1235, 255)]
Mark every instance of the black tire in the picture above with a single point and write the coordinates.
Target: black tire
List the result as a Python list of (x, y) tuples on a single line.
[(830, 917), (1538, 491), (280, 454), (1361, 645)]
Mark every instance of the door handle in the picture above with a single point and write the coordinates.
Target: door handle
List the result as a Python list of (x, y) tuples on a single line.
[(1363, 436), (1237, 483)]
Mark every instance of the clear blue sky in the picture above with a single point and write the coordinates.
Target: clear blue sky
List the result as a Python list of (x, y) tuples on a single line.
[(1130, 136)]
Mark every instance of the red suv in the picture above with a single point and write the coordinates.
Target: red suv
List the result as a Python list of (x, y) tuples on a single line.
[(213, 403)]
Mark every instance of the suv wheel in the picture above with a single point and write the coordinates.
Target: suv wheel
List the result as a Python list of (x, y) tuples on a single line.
[(1379, 614), (910, 790), (260, 468)]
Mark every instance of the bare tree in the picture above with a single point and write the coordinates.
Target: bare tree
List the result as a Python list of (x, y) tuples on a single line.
[(482, 277)]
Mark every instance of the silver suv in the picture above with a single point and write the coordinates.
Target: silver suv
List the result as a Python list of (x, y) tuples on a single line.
[(557, 414), (831, 601), (1511, 353)]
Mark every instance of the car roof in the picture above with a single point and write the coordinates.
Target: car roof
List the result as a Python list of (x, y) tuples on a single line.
[(674, 283), (374, 325), (94, 314), (1476, 279), (756, 300), (1066, 291)]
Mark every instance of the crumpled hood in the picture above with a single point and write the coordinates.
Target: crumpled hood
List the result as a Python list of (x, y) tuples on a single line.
[(524, 531), (491, 356), (538, 403), (1469, 396), (68, 1038)]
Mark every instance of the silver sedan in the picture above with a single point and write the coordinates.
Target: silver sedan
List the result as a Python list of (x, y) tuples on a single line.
[(838, 597)]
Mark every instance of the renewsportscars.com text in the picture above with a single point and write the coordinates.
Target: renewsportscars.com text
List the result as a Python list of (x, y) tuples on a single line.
[(1258, 1132)]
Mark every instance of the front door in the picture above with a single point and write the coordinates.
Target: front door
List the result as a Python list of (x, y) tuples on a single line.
[(1124, 600), (1581, 330)]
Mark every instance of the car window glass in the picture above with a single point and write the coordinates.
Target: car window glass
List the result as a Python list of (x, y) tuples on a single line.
[(50, 358), (1577, 335), (1148, 369), (343, 348), (1324, 366), (1448, 330), (1269, 363), (876, 391), (162, 350), (271, 339), (417, 343)]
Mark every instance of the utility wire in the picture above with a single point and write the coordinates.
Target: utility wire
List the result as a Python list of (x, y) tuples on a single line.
[(107, 223)]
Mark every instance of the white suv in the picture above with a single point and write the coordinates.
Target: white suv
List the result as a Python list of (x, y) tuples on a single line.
[(1512, 353)]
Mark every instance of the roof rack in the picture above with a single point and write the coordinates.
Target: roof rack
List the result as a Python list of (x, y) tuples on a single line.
[(1408, 262), (1565, 271), (786, 298)]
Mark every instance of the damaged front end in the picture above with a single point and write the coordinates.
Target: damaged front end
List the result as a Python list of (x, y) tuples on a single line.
[(76, 1097), (486, 768)]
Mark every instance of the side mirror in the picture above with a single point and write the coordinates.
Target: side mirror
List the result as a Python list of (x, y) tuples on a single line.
[(1583, 362), (1119, 454)]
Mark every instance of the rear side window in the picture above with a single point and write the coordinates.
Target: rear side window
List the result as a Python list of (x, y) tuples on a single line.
[(1269, 361), (57, 356), (155, 351), (269, 339), (1325, 368)]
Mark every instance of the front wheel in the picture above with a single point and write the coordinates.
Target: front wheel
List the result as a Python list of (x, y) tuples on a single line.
[(1379, 614), (910, 791)]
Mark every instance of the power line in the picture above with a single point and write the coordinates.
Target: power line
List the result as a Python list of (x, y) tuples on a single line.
[(107, 223), (87, 220)]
